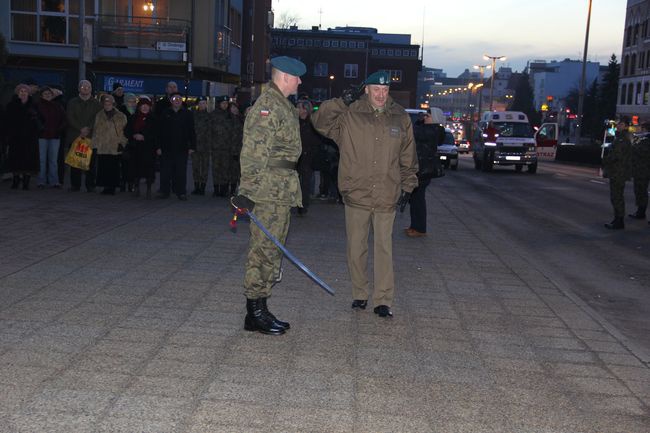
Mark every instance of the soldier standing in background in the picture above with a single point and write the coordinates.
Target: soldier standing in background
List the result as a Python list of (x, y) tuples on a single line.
[(641, 171), (220, 148), (617, 163), (236, 138), (201, 157), (269, 182)]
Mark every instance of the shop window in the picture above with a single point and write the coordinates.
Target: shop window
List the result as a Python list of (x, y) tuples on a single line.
[(23, 27), (23, 5), (53, 6), (73, 5), (53, 29)]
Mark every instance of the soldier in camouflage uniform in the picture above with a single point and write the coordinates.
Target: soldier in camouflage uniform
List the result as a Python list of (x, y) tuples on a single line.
[(617, 164), (201, 157), (236, 137), (641, 171), (222, 137), (269, 182)]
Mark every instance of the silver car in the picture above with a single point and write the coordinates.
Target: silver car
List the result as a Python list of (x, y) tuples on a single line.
[(448, 152)]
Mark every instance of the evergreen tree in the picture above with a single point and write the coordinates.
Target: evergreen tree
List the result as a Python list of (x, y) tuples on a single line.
[(608, 91), (524, 100)]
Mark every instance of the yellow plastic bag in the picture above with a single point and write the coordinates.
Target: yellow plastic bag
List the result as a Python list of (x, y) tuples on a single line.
[(79, 154)]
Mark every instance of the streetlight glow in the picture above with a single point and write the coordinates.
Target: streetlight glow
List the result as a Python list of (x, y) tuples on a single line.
[(494, 60)]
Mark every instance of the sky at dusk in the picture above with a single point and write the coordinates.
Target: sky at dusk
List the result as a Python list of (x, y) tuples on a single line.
[(457, 33)]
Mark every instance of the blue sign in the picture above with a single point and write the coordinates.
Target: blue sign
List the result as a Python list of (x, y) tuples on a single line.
[(149, 85)]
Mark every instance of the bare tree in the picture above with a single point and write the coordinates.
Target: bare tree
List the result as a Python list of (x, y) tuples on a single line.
[(286, 20)]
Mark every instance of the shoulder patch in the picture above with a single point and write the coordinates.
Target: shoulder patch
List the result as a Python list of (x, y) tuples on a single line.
[(264, 113)]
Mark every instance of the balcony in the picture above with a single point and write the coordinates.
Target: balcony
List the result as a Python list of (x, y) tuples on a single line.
[(141, 38)]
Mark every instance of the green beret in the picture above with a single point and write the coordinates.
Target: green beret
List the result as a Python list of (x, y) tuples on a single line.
[(380, 77), (289, 65)]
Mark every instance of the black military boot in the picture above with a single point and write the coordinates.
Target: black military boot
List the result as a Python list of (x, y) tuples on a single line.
[(15, 181), (202, 189), (278, 323), (616, 224), (26, 178), (639, 215), (197, 189), (257, 319)]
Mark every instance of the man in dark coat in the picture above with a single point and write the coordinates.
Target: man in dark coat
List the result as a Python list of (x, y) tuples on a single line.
[(641, 171), (176, 140), (23, 124), (165, 102), (617, 163)]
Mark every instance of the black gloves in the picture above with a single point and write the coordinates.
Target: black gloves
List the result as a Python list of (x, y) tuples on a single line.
[(351, 94), (242, 202), (403, 200)]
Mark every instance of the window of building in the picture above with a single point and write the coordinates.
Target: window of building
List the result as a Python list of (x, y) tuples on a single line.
[(637, 96), (623, 91), (320, 69), (344, 44), (635, 34), (300, 42), (633, 64), (361, 44), (275, 40), (642, 60), (23, 5), (319, 94), (390, 52), (395, 75), (647, 59), (291, 42), (326, 43), (335, 44), (398, 52), (628, 36), (414, 53), (23, 27), (309, 43), (351, 70), (352, 44), (53, 6), (375, 51), (382, 51), (644, 29), (626, 65), (646, 91), (235, 25), (630, 93), (317, 43)]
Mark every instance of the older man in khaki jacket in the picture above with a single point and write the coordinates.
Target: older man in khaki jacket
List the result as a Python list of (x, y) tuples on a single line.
[(377, 170)]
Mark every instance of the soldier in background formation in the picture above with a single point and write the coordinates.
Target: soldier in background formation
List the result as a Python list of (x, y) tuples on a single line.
[(236, 142), (617, 163), (201, 158), (220, 147), (641, 171)]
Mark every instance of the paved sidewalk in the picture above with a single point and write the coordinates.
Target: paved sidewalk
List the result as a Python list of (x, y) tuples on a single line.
[(125, 315)]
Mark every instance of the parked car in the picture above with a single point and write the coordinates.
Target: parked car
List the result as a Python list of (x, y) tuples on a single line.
[(448, 152)]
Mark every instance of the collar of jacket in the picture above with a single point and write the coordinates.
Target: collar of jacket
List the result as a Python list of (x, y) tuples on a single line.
[(276, 89)]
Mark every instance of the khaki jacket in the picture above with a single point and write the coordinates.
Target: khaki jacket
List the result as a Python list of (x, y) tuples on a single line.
[(108, 134), (271, 138), (378, 157)]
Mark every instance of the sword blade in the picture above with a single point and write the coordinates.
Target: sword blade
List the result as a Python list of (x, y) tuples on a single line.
[(293, 259)]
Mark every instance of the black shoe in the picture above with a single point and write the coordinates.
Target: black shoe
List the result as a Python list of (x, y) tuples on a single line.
[(359, 304), (257, 319), (638, 215), (182, 197), (383, 311), (616, 224), (278, 323)]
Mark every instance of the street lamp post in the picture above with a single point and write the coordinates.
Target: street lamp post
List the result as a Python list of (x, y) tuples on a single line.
[(331, 79), (581, 95), (494, 61), (481, 70)]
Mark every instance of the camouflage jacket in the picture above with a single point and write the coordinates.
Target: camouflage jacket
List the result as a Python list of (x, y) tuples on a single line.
[(618, 162), (641, 157), (271, 137), (221, 130), (203, 127)]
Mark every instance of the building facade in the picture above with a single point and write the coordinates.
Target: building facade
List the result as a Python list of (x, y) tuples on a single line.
[(340, 57), (139, 43), (634, 81), (553, 81)]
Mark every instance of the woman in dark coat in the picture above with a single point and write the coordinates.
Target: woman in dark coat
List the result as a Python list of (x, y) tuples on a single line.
[(23, 126), (428, 136), (141, 133)]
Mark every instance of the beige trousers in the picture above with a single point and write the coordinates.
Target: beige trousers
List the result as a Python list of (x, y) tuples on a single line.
[(357, 227)]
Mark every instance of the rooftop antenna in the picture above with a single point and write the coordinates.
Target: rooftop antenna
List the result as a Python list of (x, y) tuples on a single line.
[(424, 7), (320, 17)]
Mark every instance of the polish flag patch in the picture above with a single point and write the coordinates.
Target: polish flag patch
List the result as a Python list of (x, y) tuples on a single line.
[(264, 113)]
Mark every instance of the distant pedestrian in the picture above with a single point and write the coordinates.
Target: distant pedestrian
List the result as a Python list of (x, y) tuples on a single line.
[(203, 126), (311, 142), (81, 112), (428, 135), (141, 132), (617, 164), (641, 171), (176, 140), (109, 140), (53, 119), (128, 108), (118, 94), (377, 172), (162, 104), (23, 124), (269, 182)]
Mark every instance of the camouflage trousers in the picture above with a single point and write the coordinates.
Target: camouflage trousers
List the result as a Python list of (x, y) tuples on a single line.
[(617, 196), (221, 167), (200, 166), (264, 258), (641, 192)]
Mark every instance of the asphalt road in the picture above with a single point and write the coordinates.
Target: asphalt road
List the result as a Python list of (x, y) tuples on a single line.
[(555, 218)]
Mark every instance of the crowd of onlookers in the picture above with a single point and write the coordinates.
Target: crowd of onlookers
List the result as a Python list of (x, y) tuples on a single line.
[(134, 137)]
